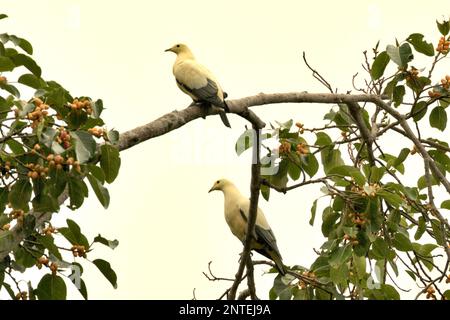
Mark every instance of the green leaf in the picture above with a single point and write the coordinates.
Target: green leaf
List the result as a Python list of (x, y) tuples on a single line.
[(100, 191), (27, 62), (436, 226), (265, 191), (393, 199), (109, 243), (110, 162), (402, 242), (294, 170), (422, 182), (419, 110), (339, 275), (97, 172), (416, 39), (438, 118), (400, 55), (281, 289), (85, 145), (24, 258), (31, 80), (443, 27), (58, 181), (6, 64), (3, 16), (329, 218), (51, 287), (113, 136), (411, 274), (397, 95), (323, 139), (349, 171), (376, 174), (445, 204), (107, 271), (49, 242), (447, 294), (76, 232), (97, 108), (313, 212), (310, 165), (11, 89), (379, 65), (401, 157), (420, 228), (20, 194), (380, 249), (77, 192), (340, 256), (45, 203)]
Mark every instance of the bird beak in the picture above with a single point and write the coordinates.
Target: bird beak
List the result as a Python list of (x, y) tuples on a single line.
[(212, 189), (170, 49)]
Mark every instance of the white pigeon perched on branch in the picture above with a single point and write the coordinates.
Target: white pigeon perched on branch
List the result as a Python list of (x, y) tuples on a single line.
[(197, 81), (236, 214)]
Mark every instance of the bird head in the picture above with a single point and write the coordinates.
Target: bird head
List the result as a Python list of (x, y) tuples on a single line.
[(178, 48), (219, 185)]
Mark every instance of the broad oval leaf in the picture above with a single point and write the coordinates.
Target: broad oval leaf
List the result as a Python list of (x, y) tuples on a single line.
[(110, 162), (416, 39), (379, 65), (107, 271), (438, 118), (51, 287)]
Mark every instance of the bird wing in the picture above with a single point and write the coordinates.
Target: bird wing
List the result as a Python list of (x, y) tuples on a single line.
[(199, 82), (263, 233)]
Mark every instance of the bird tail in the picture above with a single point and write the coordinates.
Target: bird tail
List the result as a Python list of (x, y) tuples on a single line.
[(275, 257), (278, 263), (224, 119), (225, 106)]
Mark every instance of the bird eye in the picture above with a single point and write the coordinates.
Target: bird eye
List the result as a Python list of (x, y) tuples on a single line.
[(178, 45), (217, 181)]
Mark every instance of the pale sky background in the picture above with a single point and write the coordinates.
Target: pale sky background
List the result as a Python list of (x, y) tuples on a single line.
[(168, 226)]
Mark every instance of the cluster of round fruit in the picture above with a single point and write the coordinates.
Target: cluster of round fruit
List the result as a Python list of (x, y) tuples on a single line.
[(300, 127), (285, 147), (63, 138), (357, 218), (5, 169), (443, 46), (58, 161), (84, 104), (430, 293), (42, 261), (445, 82), (17, 214), (97, 132), (78, 251), (3, 80), (36, 171), (23, 295), (302, 149), (413, 73), (49, 230), (39, 112), (352, 240)]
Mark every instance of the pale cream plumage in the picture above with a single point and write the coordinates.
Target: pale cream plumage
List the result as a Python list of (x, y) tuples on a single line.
[(236, 209), (197, 81)]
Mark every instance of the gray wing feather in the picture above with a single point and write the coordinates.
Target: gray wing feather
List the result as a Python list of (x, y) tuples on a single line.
[(263, 235), (207, 93)]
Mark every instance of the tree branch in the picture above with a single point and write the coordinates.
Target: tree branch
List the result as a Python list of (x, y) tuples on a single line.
[(254, 196), (176, 119)]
